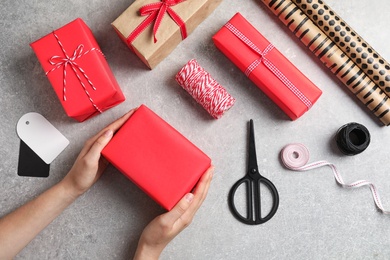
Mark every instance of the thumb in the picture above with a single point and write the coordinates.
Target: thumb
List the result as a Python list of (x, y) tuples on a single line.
[(99, 144), (181, 207)]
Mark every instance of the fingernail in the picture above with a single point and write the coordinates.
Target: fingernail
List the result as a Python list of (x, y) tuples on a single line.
[(189, 197), (108, 133), (132, 110)]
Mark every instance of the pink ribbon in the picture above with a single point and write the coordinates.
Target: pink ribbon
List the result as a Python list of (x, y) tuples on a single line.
[(58, 62), (263, 59), (296, 156)]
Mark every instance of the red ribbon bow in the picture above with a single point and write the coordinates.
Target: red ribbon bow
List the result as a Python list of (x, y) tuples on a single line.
[(155, 13), (59, 61)]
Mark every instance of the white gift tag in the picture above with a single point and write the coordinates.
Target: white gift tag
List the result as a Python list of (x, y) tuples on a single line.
[(41, 136)]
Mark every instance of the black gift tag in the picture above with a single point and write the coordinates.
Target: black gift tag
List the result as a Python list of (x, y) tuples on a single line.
[(30, 164)]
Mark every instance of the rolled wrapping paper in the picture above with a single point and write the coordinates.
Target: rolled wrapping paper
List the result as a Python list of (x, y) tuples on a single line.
[(333, 57), (204, 89), (295, 157), (351, 43)]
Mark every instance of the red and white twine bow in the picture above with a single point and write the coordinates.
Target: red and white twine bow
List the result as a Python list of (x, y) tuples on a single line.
[(64, 61), (204, 89), (263, 59), (155, 13), (296, 156)]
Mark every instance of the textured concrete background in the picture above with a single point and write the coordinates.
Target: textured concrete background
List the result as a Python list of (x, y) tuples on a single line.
[(316, 218)]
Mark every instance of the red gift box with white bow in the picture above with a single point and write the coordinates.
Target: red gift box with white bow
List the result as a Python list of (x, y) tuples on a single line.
[(269, 69), (78, 71)]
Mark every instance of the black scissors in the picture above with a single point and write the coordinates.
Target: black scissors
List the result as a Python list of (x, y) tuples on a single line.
[(252, 181)]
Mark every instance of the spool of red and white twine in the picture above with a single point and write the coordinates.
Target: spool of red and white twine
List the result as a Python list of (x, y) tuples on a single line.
[(295, 157), (204, 89)]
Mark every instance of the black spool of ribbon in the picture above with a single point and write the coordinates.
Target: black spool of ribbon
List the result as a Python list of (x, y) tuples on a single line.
[(352, 138)]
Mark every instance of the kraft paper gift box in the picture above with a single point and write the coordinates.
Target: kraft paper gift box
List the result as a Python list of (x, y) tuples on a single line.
[(136, 30), (78, 71), (156, 157), (269, 69)]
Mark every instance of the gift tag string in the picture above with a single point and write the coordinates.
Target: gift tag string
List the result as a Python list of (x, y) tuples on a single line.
[(58, 62), (296, 156)]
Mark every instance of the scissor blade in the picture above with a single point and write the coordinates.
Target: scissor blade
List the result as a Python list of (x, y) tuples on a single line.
[(252, 160)]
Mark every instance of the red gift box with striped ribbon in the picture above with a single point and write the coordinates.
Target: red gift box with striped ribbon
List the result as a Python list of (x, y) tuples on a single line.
[(269, 69), (78, 71)]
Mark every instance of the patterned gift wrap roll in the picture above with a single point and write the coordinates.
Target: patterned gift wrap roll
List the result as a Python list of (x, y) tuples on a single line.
[(333, 57), (351, 43), (204, 89)]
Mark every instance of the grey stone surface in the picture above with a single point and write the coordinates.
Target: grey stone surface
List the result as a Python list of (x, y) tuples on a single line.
[(316, 219)]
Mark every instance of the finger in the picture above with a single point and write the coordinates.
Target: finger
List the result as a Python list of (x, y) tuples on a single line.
[(113, 126), (200, 192), (179, 210), (97, 147), (182, 214), (204, 183), (119, 122)]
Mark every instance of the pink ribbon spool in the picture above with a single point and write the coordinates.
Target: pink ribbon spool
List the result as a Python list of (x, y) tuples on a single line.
[(295, 157)]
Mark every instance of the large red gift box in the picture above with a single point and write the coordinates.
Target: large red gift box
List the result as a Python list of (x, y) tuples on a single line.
[(156, 157), (272, 72), (78, 71)]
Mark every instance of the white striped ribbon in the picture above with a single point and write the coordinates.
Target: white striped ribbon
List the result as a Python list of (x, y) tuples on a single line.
[(267, 63), (58, 62)]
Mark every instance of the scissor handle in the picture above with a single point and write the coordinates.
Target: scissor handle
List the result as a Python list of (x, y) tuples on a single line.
[(256, 218)]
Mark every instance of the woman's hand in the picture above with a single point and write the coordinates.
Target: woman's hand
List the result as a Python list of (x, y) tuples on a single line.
[(21, 226), (89, 165), (158, 233)]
